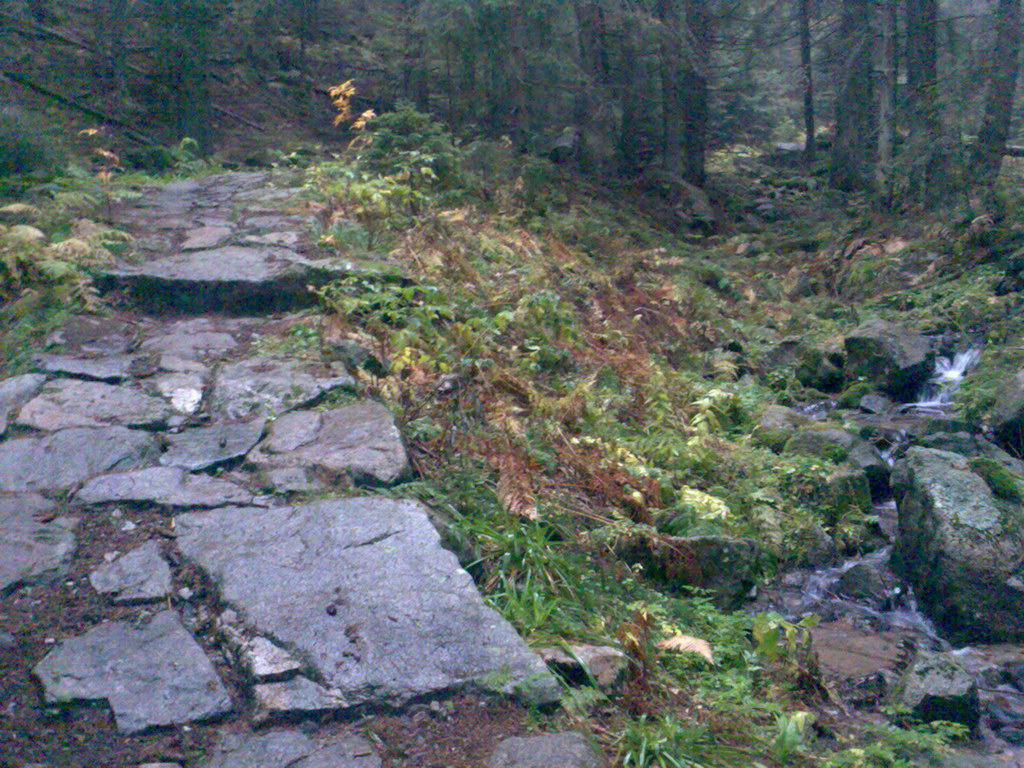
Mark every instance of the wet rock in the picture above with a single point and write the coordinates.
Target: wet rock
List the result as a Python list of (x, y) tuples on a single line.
[(270, 386), (32, 551), (937, 687), (724, 566), (570, 749), (358, 440), (875, 404), (846, 489), (603, 665), (840, 446), (138, 576), (361, 590), (817, 548), (205, 447), (94, 336), (70, 403), (290, 749), (961, 548), (65, 459), (777, 425), (897, 360), (227, 279), (866, 583), (167, 486), (151, 677), (1007, 415), (15, 392)]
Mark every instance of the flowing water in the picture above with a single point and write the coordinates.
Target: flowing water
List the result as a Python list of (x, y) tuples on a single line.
[(937, 395)]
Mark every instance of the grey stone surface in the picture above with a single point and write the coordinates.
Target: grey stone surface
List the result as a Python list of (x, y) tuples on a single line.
[(153, 676), (360, 440), (70, 403), (578, 664), (777, 425), (893, 358), (184, 391), (113, 368), (190, 340), (962, 549), (203, 238), (32, 551), (292, 480), (361, 589), (137, 576), (15, 392), (839, 445), (1007, 414), (205, 447), (169, 486), (290, 749), (554, 750), (270, 386), (936, 686), (67, 458), (296, 697)]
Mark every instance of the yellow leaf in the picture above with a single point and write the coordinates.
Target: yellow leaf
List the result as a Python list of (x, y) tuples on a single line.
[(687, 644)]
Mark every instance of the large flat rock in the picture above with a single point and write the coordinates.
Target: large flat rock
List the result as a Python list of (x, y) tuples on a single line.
[(70, 403), (362, 590), (358, 440), (229, 279), (205, 447), (290, 749), (65, 459), (31, 550), (270, 386), (167, 486), (15, 392), (151, 677)]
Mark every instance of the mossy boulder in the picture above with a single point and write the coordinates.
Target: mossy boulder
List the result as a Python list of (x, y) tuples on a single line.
[(839, 446), (960, 546), (847, 489), (1007, 415), (936, 686), (777, 424), (892, 358)]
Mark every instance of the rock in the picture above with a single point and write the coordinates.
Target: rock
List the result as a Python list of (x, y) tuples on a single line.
[(358, 440), (227, 279), (875, 404), (32, 551), (1007, 414), (190, 340), (168, 486), (292, 480), (897, 360), (777, 425), (15, 392), (111, 369), (70, 403), (7, 640), (937, 687), (204, 238), (817, 549), (138, 576), (603, 665), (65, 459), (846, 489), (270, 386), (183, 390), (724, 566), (960, 548), (361, 590), (865, 583), (93, 336), (151, 677), (820, 370), (206, 447), (290, 749), (840, 446), (570, 749), (296, 697)]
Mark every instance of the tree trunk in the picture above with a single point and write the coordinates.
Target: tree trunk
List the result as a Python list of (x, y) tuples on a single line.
[(885, 77), (695, 86), (988, 150), (807, 78), (671, 85), (853, 154)]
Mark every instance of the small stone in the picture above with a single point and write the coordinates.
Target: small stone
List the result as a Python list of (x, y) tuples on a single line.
[(296, 697), (205, 237), (113, 369), (606, 665), (270, 386), (32, 551), (936, 686), (168, 486), (138, 576), (206, 447), (183, 390), (557, 750), (290, 749)]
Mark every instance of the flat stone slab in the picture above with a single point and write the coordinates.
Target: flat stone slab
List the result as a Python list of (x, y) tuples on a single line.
[(167, 486), (554, 750), (114, 368), (65, 459), (190, 340), (15, 392), (138, 576), (184, 391), (70, 403), (296, 697), (206, 447), (358, 440), (270, 386), (361, 589), (290, 749), (203, 238), (151, 677), (32, 551), (231, 278)]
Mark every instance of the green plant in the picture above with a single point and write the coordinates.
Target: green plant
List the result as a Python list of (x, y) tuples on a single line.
[(1002, 482), (26, 146)]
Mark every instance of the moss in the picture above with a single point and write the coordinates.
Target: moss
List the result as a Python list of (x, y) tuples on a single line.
[(1001, 481), (852, 394)]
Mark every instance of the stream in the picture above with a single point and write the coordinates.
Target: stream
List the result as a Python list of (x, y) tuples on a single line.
[(870, 621)]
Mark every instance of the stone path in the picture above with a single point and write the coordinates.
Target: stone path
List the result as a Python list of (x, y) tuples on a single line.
[(347, 604)]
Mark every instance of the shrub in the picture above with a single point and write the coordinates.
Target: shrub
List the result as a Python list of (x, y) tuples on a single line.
[(25, 144)]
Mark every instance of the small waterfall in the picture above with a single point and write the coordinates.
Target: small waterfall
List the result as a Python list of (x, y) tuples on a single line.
[(937, 395)]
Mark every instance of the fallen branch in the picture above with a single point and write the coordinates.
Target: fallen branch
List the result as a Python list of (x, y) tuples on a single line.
[(130, 132), (233, 116)]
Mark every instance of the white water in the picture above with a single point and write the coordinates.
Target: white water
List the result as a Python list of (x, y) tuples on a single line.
[(937, 395)]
